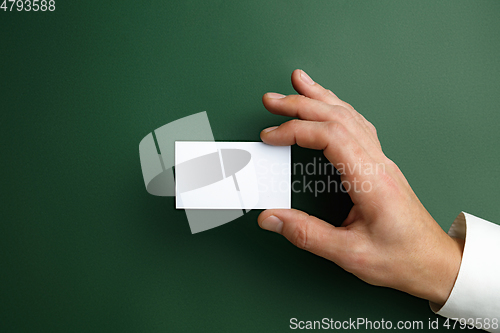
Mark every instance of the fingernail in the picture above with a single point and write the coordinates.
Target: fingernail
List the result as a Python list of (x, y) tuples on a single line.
[(269, 129), (306, 78), (275, 95), (272, 223)]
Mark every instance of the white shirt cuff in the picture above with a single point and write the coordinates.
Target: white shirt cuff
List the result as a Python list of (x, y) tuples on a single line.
[(476, 293)]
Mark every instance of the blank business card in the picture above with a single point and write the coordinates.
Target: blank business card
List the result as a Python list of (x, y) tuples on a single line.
[(232, 175)]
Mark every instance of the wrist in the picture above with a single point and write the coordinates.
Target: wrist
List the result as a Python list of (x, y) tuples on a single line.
[(431, 274), (452, 255)]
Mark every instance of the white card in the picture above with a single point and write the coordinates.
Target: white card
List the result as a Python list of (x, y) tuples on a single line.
[(232, 175)]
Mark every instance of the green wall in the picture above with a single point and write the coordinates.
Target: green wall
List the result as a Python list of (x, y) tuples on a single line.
[(84, 247)]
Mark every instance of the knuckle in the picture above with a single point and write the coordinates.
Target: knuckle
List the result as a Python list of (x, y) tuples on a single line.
[(341, 112), (357, 261), (357, 258), (299, 236), (302, 106), (359, 152), (298, 100), (293, 124), (371, 127), (360, 259), (294, 98), (334, 128), (327, 94), (392, 165)]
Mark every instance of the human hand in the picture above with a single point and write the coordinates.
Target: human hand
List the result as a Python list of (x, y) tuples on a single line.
[(388, 239)]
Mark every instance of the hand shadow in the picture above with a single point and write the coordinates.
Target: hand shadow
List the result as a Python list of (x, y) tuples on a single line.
[(316, 187)]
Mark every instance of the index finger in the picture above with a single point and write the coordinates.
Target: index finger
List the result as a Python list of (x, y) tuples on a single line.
[(337, 143)]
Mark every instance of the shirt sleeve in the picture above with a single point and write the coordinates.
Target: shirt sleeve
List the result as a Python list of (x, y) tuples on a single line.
[(476, 293)]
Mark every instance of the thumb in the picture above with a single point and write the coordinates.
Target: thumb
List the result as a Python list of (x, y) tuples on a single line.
[(305, 231)]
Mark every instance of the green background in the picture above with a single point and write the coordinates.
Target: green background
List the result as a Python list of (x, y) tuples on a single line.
[(85, 248)]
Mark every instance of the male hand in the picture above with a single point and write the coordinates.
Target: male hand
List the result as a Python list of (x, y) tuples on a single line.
[(388, 239)]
